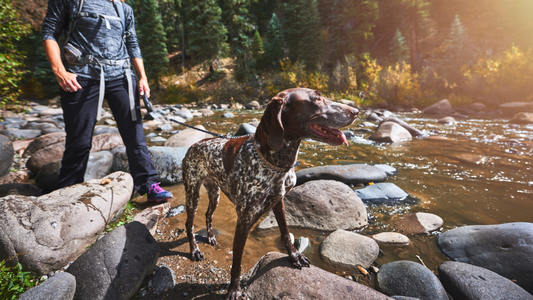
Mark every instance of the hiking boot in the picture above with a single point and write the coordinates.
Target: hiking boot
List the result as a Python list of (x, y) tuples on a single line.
[(157, 194)]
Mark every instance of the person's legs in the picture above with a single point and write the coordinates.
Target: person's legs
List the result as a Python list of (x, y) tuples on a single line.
[(79, 113), (141, 167)]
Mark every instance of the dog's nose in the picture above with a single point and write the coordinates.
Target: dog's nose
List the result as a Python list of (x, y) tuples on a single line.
[(354, 112)]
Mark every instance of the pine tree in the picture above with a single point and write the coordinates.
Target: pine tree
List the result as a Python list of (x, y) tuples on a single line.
[(257, 45), (457, 52), (274, 43), (399, 51), (416, 11), (152, 39), (205, 32)]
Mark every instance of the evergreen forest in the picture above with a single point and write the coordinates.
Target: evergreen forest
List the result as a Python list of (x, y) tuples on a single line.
[(395, 53)]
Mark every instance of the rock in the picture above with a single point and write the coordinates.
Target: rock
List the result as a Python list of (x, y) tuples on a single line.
[(206, 112), (174, 211), (228, 115), (150, 216), (418, 223), (52, 130), (120, 159), (21, 145), (349, 174), (512, 108), (384, 193), (43, 142), (101, 129), (24, 134), (408, 278), (477, 107), (6, 155), (14, 177), (443, 107), (303, 244), (344, 250), (273, 277), (447, 121), (368, 124), (187, 137), (413, 131), (163, 279), (184, 113), (59, 287), (167, 161), (391, 239), (38, 126), (19, 189), (522, 118), (48, 175), (465, 281), (54, 229), (43, 156), (158, 139), (390, 132), (253, 105), (347, 102), (348, 134), (245, 129), (164, 127), (99, 165), (50, 112), (391, 171), (404, 298), (321, 205), (466, 158), (506, 249), (116, 265), (373, 117), (106, 141)]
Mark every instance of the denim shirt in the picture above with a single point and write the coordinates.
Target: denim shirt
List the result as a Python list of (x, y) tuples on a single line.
[(92, 35)]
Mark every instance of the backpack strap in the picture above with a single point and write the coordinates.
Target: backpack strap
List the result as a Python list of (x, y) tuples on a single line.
[(73, 20), (120, 13)]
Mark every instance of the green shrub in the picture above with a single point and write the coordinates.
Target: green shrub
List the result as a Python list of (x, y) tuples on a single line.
[(14, 281)]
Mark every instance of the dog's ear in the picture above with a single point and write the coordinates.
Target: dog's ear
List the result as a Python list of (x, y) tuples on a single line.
[(271, 122)]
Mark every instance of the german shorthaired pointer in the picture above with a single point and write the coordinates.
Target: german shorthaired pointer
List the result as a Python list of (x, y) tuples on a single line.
[(256, 171)]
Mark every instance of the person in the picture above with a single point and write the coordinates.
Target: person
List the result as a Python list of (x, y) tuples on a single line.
[(100, 47)]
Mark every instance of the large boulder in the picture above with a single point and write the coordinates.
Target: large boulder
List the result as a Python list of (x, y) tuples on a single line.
[(167, 161), (44, 141), (45, 155), (19, 189), (506, 249), (349, 174), (16, 134), (522, 118), (344, 251), (443, 107), (411, 279), (116, 265), (321, 205), (6, 155), (390, 132), (106, 141), (413, 131), (49, 231), (466, 281), (273, 277), (512, 108), (59, 287), (187, 137)]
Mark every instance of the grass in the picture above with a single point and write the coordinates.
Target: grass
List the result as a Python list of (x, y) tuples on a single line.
[(14, 281), (126, 217)]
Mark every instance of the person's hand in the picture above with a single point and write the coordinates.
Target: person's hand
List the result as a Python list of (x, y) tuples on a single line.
[(143, 87), (68, 81)]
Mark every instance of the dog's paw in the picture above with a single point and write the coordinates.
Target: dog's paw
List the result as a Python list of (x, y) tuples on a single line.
[(212, 241), (298, 260), (197, 255), (234, 295)]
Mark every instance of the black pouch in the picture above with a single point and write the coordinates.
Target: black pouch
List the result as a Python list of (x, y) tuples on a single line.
[(72, 54)]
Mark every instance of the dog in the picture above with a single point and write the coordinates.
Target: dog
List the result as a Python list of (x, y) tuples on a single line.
[(256, 171)]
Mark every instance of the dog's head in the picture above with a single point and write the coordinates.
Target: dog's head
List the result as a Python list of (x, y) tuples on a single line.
[(299, 113)]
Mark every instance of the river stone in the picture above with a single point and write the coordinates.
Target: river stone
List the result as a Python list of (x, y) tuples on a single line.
[(206, 112), (413, 131), (120, 159), (349, 174), (274, 277), (187, 137), (228, 115), (99, 165), (447, 121), (116, 265), (390, 171), (25, 189), (522, 118), (443, 107), (167, 161), (39, 126), (59, 287), (14, 177), (48, 175), (54, 229), (252, 105), (466, 281), (184, 113), (43, 142), (404, 298), (20, 145), (477, 107), (151, 215), (50, 112), (321, 205), (373, 117), (42, 157), (512, 108), (52, 130), (344, 250), (384, 193), (411, 279), (418, 223), (106, 141), (348, 102), (6, 155), (163, 279), (390, 132), (101, 129), (245, 129), (391, 239), (506, 249), (24, 134)]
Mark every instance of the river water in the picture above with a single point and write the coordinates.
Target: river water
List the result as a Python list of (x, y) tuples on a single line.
[(476, 172)]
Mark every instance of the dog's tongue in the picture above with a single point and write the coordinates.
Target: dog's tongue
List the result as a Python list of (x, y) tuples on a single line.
[(340, 136)]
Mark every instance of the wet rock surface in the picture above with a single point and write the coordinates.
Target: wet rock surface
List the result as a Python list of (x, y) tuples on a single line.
[(349, 174), (344, 251), (59, 287), (390, 132), (384, 193)]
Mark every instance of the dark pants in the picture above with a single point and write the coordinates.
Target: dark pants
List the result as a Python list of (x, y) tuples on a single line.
[(79, 111)]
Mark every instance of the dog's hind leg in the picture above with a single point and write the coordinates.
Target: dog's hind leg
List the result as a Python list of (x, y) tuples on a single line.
[(296, 258), (192, 191), (213, 190)]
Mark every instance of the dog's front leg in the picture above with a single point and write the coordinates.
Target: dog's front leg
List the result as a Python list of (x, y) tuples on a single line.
[(297, 259), (239, 241)]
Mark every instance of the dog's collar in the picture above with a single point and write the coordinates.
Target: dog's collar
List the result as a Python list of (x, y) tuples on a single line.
[(266, 162)]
